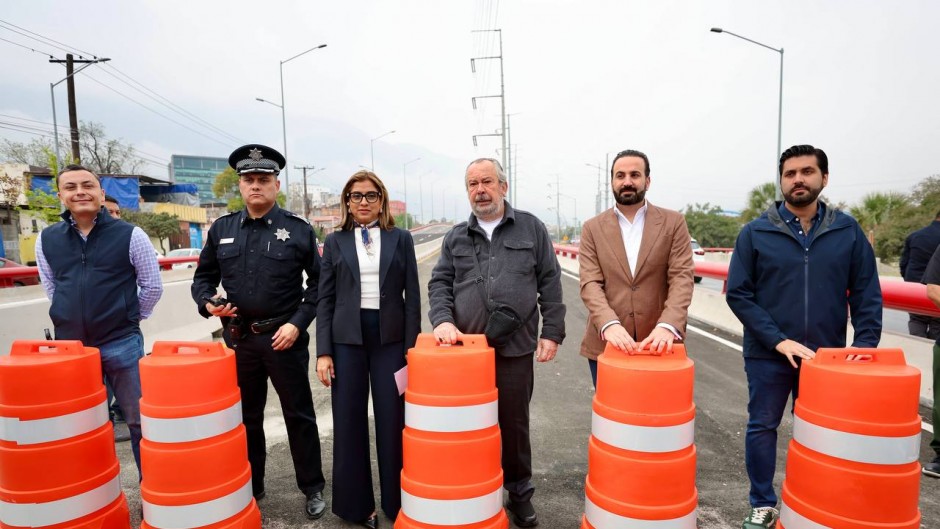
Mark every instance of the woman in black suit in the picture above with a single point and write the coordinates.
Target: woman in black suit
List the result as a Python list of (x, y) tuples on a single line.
[(368, 315)]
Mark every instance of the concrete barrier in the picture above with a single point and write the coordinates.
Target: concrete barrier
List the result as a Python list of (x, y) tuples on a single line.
[(24, 313)]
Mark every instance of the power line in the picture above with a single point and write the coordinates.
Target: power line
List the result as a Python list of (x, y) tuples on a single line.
[(53, 41), (26, 47), (155, 112), (66, 50), (166, 102)]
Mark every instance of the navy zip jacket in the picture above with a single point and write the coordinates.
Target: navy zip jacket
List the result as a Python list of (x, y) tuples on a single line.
[(781, 290), (95, 298)]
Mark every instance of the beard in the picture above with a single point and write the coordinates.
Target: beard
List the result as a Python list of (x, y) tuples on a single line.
[(487, 210), (804, 200), (629, 200)]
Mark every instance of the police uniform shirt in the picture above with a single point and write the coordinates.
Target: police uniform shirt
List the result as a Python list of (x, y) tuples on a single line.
[(260, 263)]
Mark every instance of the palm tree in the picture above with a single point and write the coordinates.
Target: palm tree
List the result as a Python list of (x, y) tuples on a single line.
[(758, 200), (875, 208)]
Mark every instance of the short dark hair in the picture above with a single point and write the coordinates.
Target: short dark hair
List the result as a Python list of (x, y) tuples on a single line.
[(629, 152), (109, 198), (75, 167), (938, 215), (805, 150)]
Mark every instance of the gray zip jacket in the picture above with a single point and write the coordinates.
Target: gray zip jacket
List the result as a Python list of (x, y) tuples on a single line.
[(518, 268)]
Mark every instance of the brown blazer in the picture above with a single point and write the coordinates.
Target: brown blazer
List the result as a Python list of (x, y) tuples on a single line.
[(661, 290)]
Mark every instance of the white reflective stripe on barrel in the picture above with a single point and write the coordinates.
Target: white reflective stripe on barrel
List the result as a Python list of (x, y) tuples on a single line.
[(451, 418), (856, 447), (794, 520), (655, 439), (60, 511), (602, 519), (452, 512), (197, 514), (34, 431), (187, 429)]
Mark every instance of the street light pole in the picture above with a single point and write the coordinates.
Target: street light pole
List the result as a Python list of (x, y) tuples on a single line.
[(600, 186), (404, 178), (776, 179), (283, 111), (372, 148)]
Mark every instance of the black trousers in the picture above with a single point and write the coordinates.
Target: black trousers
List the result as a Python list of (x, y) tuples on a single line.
[(356, 367), (255, 361), (924, 326), (515, 379)]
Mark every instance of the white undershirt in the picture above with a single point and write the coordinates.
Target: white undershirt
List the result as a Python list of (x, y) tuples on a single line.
[(369, 267), (488, 226), (632, 233)]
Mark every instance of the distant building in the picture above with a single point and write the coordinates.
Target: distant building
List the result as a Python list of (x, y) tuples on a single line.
[(198, 170)]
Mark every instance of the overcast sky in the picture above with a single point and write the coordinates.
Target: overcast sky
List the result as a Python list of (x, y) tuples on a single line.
[(583, 78)]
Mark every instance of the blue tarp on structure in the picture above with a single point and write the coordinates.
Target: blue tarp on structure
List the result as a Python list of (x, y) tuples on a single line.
[(185, 194), (125, 190), (42, 183)]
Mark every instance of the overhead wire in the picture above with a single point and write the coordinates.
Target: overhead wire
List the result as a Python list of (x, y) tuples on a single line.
[(202, 123), (26, 47), (164, 101), (129, 98)]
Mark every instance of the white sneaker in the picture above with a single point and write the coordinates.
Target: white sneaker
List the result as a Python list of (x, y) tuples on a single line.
[(761, 518)]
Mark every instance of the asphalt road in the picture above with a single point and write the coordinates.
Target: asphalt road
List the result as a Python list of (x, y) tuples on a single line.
[(560, 428)]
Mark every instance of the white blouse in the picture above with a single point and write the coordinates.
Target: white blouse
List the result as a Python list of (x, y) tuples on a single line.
[(369, 266)]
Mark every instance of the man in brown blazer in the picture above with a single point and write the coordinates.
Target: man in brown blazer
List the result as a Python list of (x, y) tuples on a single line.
[(636, 268)]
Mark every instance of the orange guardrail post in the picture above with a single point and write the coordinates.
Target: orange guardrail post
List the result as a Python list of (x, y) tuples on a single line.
[(853, 459), (194, 454), (452, 476), (641, 453), (58, 466)]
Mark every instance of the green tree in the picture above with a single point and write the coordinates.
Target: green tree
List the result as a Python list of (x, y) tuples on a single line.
[(921, 208), (46, 205), (758, 200), (157, 225), (400, 221), (875, 208), (710, 227), (226, 188)]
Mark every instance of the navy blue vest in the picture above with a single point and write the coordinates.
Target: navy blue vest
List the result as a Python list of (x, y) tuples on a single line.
[(95, 297)]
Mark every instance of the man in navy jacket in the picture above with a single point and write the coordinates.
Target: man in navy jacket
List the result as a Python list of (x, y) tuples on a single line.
[(918, 247), (795, 273)]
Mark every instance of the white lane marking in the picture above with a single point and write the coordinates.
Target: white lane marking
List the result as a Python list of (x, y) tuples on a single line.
[(571, 275), (923, 425)]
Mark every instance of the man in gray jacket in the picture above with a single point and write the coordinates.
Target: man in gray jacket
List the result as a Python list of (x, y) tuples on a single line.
[(507, 256)]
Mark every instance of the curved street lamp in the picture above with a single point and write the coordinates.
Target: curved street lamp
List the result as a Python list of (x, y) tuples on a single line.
[(776, 179), (372, 147)]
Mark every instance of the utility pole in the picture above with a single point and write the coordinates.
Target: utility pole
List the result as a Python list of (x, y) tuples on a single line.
[(70, 72), (558, 205), (501, 96), (306, 198)]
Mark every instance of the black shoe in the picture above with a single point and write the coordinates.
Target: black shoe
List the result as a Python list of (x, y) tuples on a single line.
[(371, 522), (932, 469), (315, 506), (522, 513), (260, 496)]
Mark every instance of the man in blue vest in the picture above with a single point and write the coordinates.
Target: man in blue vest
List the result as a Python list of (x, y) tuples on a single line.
[(102, 278)]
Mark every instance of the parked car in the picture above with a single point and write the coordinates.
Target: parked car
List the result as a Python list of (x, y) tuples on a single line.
[(698, 254), (184, 252), (19, 281)]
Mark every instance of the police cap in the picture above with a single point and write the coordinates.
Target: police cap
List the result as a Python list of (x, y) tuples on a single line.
[(256, 158)]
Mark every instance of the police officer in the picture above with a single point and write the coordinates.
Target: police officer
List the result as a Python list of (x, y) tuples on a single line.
[(260, 255)]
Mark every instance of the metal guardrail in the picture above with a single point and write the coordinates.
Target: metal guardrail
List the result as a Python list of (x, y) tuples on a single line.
[(896, 295)]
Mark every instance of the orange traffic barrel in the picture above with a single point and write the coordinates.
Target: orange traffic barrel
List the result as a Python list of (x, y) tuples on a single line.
[(451, 449), (58, 466), (194, 453), (641, 453), (853, 459)]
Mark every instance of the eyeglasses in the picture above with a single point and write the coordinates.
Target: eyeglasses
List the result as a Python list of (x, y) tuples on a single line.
[(371, 197)]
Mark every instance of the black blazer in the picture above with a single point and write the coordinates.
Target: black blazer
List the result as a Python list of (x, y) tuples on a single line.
[(340, 291)]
